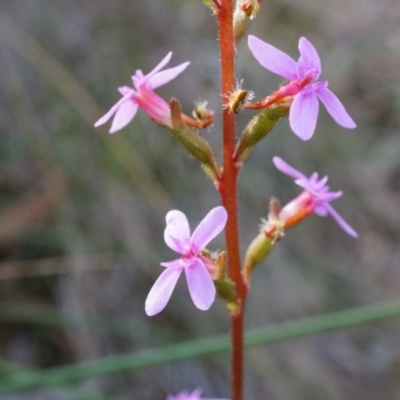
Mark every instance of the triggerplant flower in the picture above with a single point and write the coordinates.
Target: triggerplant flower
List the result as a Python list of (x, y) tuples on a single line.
[(303, 85), (143, 97), (195, 395), (315, 198), (177, 237)]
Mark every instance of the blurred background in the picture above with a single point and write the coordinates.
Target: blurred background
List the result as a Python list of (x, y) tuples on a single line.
[(82, 212)]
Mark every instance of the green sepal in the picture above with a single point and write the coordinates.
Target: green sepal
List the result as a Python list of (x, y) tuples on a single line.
[(220, 265), (258, 250), (196, 145), (225, 287), (271, 232), (259, 127), (226, 290)]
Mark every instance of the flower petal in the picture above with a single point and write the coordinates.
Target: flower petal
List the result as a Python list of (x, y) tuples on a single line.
[(163, 77), (114, 109), (145, 78), (177, 232), (272, 58), (161, 291), (124, 115), (335, 108), (153, 105), (309, 62), (177, 263), (185, 395), (315, 188), (339, 219), (161, 64), (321, 210), (124, 90), (137, 78), (201, 285), (303, 113), (196, 393), (284, 167), (211, 225)]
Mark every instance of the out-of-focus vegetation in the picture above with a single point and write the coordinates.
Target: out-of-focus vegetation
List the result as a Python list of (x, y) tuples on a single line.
[(82, 212)]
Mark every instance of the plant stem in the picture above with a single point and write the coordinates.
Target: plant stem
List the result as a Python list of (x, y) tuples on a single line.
[(228, 190)]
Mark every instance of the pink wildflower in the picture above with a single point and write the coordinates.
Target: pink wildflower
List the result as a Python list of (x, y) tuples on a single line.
[(152, 104), (315, 198), (195, 395), (303, 85), (177, 237)]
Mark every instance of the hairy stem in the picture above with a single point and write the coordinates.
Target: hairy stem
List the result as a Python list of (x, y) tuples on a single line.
[(228, 190)]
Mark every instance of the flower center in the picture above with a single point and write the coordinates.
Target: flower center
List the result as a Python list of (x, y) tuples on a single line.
[(189, 252), (305, 81)]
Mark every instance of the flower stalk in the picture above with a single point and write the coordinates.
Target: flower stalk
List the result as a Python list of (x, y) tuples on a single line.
[(228, 190)]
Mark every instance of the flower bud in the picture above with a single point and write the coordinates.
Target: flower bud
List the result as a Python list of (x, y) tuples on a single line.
[(202, 114), (245, 10), (239, 96), (271, 232), (298, 209), (192, 142), (259, 127), (259, 249)]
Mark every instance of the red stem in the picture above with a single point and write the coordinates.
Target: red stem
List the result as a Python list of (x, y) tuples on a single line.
[(228, 190)]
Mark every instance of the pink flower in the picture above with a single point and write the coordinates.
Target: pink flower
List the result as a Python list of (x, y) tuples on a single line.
[(315, 198), (195, 395), (303, 85), (177, 237), (144, 97)]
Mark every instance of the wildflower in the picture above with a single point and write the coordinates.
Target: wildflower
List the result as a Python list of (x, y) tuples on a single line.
[(177, 237), (195, 395), (303, 85), (316, 198), (152, 104)]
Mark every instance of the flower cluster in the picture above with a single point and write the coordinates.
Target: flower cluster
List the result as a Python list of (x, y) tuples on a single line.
[(299, 98), (304, 90)]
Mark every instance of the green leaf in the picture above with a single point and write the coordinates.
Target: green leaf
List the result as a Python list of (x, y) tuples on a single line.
[(202, 347)]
